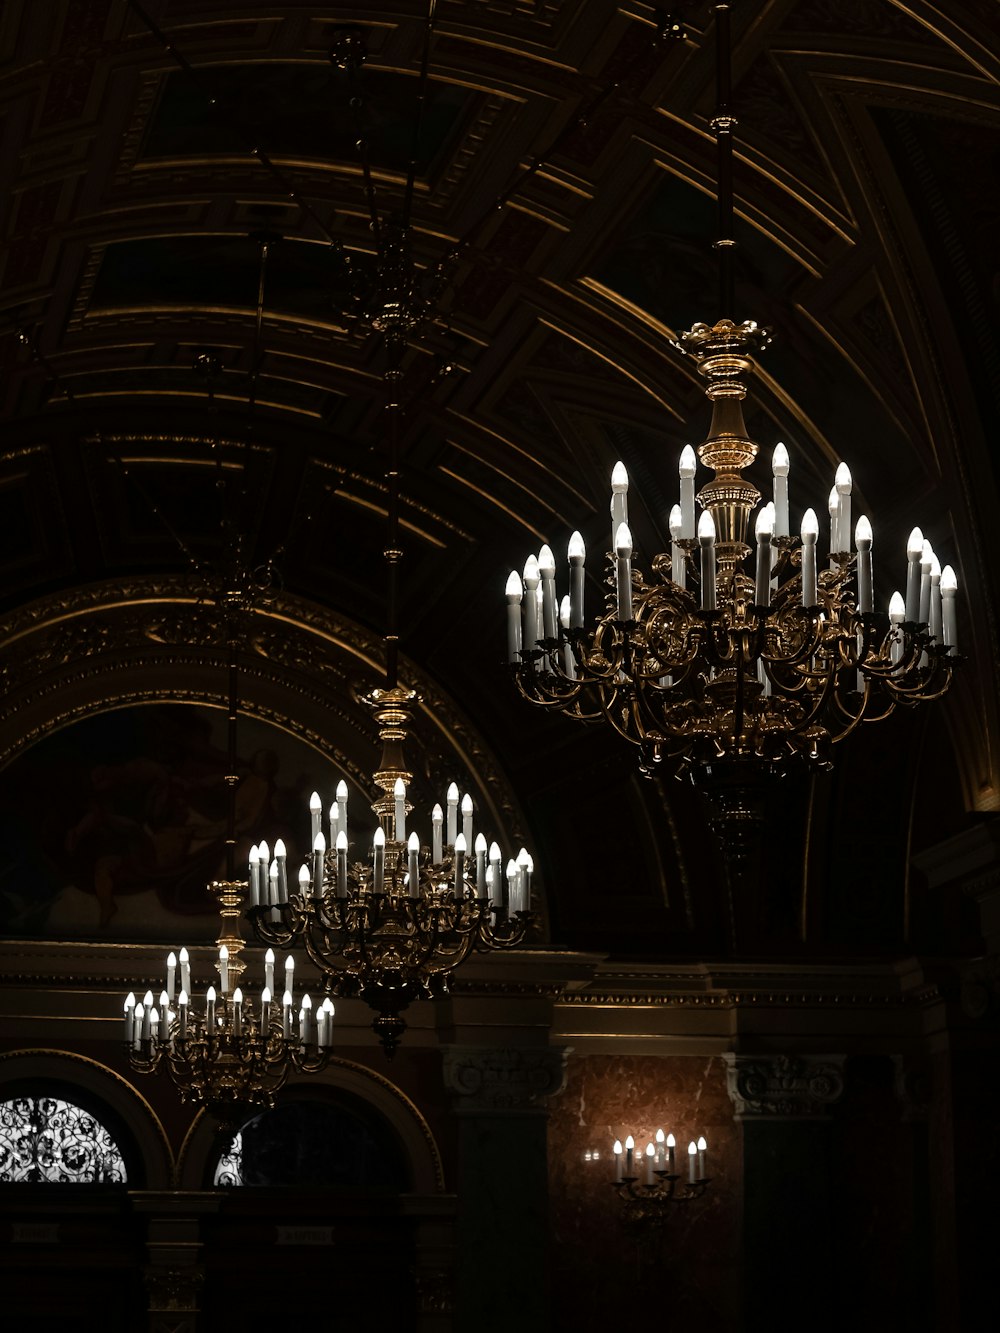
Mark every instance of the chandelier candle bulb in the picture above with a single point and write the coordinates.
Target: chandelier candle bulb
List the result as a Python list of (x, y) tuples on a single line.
[(182, 1015), (280, 857), (413, 864), (629, 1150), (934, 616), (129, 1015), (650, 1162), (514, 594), (692, 1162), (809, 534), (762, 531), (272, 886), (330, 1011), (378, 851), (269, 971), (678, 562), (623, 572), (224, 969), (577, 555), (619, 499), (452, 827), (305, 880), (661, 1150), (265, 1011), (706, 540), (399, 809), (318, 858), (334, 823), (565, 616), (341, 865), (315, 815), (863, 541), (342, 806), (460, 850), (254, 876), (210, 998), (914, 550), (305, 1021), (290, 977), (496, 885), (686, 468), (833, 505), (264, 868), (480, 850), (844, 483), (171, 975), (286, 1015), (530, 634), (523, 880), (949, 619), (511, 875), (779, 472), (164, 1020), (926, 560), (547, 573), (237, 1012), (617, 1150), (671, 1149), (467, 811), (702, 1157), (897, 615), (437, 848), (185, 963)]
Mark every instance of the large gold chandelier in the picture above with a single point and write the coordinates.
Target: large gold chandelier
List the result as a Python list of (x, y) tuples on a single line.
[(732, 673)]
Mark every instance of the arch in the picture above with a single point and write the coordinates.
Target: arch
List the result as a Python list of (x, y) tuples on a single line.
[(201, 1144), (66, 1072)]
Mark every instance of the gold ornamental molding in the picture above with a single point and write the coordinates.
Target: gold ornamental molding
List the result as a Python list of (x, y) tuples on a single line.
[(304, 669)]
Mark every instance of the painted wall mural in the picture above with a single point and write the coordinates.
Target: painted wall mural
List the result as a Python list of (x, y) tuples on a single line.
[(112, 827)]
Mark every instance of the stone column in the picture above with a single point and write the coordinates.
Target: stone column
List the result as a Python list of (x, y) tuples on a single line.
[(783, 1103), (174, 1273), (502, 1240)]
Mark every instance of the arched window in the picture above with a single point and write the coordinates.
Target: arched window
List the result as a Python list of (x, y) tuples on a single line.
[(314, 1144), (52, 1140)]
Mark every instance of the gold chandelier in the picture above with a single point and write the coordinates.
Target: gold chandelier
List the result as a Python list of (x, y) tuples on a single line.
[(393, 927), (228, 1052), (728, 673)]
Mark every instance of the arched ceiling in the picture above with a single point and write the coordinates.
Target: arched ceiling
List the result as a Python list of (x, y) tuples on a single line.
[(563, 186)]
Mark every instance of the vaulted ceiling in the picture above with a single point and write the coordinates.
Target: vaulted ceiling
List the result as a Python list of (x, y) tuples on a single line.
[(563, 195)]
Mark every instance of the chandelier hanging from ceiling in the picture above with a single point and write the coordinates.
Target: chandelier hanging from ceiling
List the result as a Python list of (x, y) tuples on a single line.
[(733, 672)]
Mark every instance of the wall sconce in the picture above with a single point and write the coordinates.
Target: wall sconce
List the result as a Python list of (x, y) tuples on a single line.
[(648, 1183)]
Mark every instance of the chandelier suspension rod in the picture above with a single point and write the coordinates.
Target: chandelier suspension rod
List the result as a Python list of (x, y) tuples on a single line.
[(723, 124), (393, 551), (418, 120)]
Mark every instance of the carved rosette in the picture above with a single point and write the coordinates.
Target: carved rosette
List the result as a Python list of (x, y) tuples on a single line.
[(784, 1087), (505, 1081)]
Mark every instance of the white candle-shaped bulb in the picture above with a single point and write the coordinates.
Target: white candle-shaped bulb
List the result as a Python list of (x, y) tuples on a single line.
[(686, 468), (764, 530), (515, 590), (629, 1150), (565, 621), (706, 540), (318, 865), (619, 499), (452, 801), (833, 506), (269, 970), (496, 865), (863, 541), (315, 815), (171, 975), (809, 533), (531, 580), (843, 483), (224, 968), (305, 880), (547, 574), (914, 550), (342, 864), (934, 613), (577, 555), (617, 1150), (949, 617), (692, 1162), (461, 847), (702, 1157), (650, 1162), (779, 472), (437, 838), (210, 998), (237, 1012), (467, 811), (280, 857), (342, 805), (334, 821), (305, 1021), (378, 849), (290, 976), (286, 1015), (129, 1016), (253, 875), (413, 864), (480, 847), (185, 963), (926, 560), (623, 571), (524, 864), (399, 809), (678, 562), (897, 615)]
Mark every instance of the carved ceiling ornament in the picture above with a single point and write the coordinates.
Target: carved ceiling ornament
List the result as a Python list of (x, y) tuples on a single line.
[(783, 1087), (148, 639)]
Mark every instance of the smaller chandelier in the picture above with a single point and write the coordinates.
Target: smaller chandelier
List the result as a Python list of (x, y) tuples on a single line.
[(393, 927), (649, 1183), (227, 1054)]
